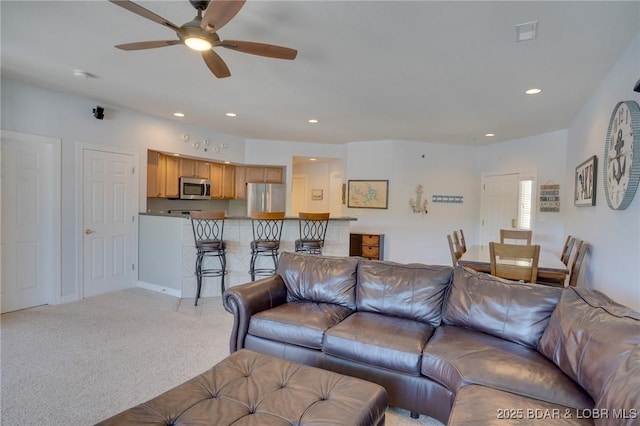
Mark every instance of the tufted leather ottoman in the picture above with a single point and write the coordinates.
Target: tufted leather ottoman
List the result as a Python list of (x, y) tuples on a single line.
[(248, 388)]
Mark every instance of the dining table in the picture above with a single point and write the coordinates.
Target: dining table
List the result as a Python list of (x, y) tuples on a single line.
[(550, 265)]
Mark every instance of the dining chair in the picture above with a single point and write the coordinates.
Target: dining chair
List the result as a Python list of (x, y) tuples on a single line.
[(208, 228), (267, 230), (516, 235), (516, 262), (578, 260), (313, 229), (455, 251), (566, 249), (458, 239)]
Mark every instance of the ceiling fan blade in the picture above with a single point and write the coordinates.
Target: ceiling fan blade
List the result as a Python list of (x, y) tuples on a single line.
[(216, 64), (139, 45), (139, 10), (261, 49), (220, 12)]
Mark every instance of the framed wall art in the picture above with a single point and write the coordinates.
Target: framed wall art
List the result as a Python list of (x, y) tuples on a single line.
[(368, 194), (585, 183)]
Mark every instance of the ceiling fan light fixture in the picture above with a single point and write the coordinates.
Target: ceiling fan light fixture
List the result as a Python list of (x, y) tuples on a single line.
[(198, 43)]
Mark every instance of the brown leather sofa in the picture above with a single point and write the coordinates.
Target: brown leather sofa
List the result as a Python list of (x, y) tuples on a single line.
[(460, 346)]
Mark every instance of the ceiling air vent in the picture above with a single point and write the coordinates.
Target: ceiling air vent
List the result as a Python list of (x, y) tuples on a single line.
[(526, 31)]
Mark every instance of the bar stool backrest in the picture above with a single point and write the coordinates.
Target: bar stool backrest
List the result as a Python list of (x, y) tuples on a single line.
[(208, 227), (313, 226), (267, 227)]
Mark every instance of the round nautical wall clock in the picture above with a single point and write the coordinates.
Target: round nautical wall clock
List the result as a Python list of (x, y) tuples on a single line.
[(622, 155)]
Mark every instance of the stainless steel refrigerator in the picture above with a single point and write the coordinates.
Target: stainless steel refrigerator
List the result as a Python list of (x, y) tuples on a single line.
[(266, 197)]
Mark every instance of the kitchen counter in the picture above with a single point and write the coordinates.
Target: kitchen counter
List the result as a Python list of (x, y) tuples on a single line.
[(167, 253), (186, 216)]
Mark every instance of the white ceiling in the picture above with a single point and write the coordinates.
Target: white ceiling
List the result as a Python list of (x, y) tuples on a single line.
[(445, 72)]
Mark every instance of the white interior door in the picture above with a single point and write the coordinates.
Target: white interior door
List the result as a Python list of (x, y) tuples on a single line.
[(109, 211), (298, 194), (30, 170), (499, 205)]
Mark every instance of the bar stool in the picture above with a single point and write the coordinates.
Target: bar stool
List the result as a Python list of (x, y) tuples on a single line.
[(267, 230), (207, 233), (313, 228)]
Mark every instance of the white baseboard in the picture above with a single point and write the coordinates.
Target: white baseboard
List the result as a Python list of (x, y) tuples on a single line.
[(166, 290)]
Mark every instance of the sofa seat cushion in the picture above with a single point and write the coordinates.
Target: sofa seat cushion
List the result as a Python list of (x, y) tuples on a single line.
[(513, 311), (379, 340), (298, 323), (588, 336), (479, 405), (622, 396), (457, 356)]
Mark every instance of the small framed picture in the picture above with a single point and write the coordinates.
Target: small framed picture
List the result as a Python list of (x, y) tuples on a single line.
[(316, 194), (585, 183)]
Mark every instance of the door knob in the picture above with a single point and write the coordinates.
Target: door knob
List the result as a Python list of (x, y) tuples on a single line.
[(88, 231)]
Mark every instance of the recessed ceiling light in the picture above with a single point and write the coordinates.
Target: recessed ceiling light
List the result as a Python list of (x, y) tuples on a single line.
[(312, 120), (178, 114), (533, 91), (312, 159), (231, 114), (489, 135)]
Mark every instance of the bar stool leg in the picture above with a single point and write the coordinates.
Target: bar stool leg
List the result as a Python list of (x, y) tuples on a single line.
[(252, 266), (223, 265), (198, 276)]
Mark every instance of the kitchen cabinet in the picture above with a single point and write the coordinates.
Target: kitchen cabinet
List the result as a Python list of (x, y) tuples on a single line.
[(259, 174), (223, 177), (241, 183), (171, 177), (369, 246), (162, 175), (195, 168), (156, 172), (264, 174)]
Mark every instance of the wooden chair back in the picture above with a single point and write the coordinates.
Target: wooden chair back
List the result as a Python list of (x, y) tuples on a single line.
[(578, 260), (566, 250), (515, 234), (516, 262), (458, 238), (455, 251)]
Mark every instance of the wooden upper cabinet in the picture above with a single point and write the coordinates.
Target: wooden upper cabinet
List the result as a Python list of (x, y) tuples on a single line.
[(171, 177), (195, 168), (264, 174), (156, 172), (273, 175), (222, 181), (241, 182)]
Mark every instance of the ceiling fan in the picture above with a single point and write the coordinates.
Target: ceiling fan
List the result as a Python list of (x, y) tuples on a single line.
[(201, 33)]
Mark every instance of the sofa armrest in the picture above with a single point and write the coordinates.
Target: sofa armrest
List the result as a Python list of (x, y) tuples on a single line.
[(247, 299)]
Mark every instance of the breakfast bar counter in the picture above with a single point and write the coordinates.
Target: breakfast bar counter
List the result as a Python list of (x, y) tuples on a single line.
[(167, 254)]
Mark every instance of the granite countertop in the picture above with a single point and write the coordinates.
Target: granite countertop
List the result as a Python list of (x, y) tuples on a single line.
[(178, 214)]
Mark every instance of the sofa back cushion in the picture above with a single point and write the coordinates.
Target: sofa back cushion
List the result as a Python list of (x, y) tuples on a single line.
[(321, 279), (589, 335), (513, 311), (413, 291)]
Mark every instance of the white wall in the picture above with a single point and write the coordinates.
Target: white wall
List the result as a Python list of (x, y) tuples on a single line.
[(614, 262), (545, 156), (440, 169), (37, 111)]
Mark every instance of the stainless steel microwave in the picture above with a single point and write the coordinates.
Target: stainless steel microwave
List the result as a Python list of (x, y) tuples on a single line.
[(194, 188)]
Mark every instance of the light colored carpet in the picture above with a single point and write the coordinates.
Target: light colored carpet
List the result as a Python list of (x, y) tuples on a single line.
[(79, 363)]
